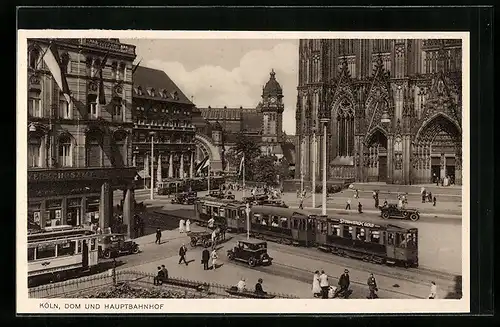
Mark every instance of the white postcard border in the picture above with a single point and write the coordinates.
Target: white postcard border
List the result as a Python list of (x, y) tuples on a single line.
[(36, 306)]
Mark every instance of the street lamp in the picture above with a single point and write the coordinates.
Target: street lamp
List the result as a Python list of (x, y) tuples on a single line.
[(247, 211), (151, 194), (314, 168), (324, 121)]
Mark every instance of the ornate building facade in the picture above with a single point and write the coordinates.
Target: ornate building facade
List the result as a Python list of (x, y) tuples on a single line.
[(264, 123), (162, 113), (79, 130), (393, 109)]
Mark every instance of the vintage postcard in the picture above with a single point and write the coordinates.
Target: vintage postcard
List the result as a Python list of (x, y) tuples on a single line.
[(165, 172)]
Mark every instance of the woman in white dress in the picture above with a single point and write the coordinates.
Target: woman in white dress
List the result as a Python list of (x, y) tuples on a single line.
[(316, 288), (181, 226), (188, 226)]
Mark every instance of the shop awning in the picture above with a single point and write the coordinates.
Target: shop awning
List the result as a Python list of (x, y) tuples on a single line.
[(142, 174)]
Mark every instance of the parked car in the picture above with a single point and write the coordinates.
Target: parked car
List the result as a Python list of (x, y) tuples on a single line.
[(184, 198), (275, 203), (252, 252), (392, 211), (113, 245)]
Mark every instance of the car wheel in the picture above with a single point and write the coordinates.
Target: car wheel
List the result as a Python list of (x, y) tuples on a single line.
[(135, 249), (414, 217), (252, 262), (385, 215), (106, 254), (193, 242), (230, 255)]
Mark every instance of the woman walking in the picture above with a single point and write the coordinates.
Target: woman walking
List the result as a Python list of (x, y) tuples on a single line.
[(316, 288)]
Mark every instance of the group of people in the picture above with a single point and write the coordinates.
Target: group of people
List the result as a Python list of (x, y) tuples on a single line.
[(206, 256), (446, 181), (184, 226), (348, 206), (321, 285), (242, 286), (427, 196)]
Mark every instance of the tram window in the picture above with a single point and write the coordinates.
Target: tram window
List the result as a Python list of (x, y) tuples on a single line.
[(324, 227), (204, 209), (335, 229), (222, 211), (215, 211), (390, 239), (93, 244), (284, 222), (46, 251), (31, 254), (66, 248), (309, 224), (360, 234), (274, 221), (412, 240), (401, 240), (265, 220), (78, 246), (374, 236), (347, 232)]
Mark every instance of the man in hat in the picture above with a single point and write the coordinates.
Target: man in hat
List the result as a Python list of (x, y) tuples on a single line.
[(258, 287), (344, 282)]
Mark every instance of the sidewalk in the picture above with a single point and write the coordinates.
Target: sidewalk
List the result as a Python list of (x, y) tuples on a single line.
[(452, 190), (354, 211)]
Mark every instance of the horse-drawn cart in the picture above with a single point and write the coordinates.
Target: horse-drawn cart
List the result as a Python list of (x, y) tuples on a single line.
[(200, 238)]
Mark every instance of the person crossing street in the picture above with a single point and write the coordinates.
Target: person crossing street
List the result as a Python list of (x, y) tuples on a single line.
[(182, 254), (372, 286)]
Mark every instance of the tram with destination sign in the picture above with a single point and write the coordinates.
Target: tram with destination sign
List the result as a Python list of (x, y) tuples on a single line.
[(365, 240), (56, 253), (378, 243)]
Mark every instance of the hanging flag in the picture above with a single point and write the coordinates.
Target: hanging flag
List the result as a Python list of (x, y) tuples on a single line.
[(242, 162), (102, 96), (201, 165), (53, 62)]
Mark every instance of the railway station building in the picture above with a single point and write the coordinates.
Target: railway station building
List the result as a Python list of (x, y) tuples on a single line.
[(392, 109), (79, 130)]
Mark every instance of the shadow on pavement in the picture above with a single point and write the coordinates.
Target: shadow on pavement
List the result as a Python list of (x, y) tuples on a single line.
[(457, 291)]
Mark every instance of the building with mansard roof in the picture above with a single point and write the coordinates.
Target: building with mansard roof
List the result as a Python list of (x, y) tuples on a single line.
[(392, 110), (263, 123), (162, 113)]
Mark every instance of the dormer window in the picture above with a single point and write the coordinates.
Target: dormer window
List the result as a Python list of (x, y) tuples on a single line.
[(175, 95), (149, 92), (153, 92), (139, 90)]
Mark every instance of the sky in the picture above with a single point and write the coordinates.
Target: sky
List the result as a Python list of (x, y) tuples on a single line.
[(226, 72)]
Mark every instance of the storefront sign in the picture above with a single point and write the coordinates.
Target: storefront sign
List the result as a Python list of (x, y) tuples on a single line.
[(55, 175)]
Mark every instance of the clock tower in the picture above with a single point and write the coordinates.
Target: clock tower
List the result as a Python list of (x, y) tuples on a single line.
[(272, 108)]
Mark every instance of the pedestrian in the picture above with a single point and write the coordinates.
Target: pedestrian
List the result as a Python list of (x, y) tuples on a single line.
[(360, 207), (429, 196), (158, 236), (316, 288), (356, 194), (433, 294), (434, 201), (424, 195), (211, 223), (258, 287), (165, 272), (376, 202), (182, 223), (437, 180), (158, 278), (182, 254), (301, 203), (400, 203), (241, 285), (372, 286), (323, 283), (214, 239), (205, 256), (214, 257), (344, 282), (188, 226), (348, 204)]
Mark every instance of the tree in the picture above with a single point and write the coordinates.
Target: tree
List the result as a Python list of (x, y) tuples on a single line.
[(266, 170), (247, 147)]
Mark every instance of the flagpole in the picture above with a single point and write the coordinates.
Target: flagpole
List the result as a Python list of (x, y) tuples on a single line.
[(244, 175)]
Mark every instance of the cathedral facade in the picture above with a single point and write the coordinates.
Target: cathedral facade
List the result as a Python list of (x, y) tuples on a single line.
[(392, 110)]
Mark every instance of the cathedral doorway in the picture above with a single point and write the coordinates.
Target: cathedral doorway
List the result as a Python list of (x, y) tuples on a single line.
[(437, 151), (376, 156)]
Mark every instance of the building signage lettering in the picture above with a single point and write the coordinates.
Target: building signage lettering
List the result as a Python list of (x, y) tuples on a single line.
[(358, 223), (52, 176)]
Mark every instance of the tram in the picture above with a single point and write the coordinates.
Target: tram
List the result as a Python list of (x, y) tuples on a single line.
[(378, 243), (227, 213), (55, 253)]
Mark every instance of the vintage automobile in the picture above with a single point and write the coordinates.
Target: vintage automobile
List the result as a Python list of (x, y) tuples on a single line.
[(221, 195), (392, 211), (200, 238), (274, 203), (257, 199), (113, 245), (253, 252), (184, 198)]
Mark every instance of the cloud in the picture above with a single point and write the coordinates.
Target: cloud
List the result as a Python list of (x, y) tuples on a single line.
[(241, 86)]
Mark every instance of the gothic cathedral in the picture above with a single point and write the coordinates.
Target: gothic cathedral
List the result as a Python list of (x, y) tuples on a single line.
[(392, 109)]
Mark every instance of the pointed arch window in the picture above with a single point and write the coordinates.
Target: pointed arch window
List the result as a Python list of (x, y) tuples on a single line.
[(345, 129)]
